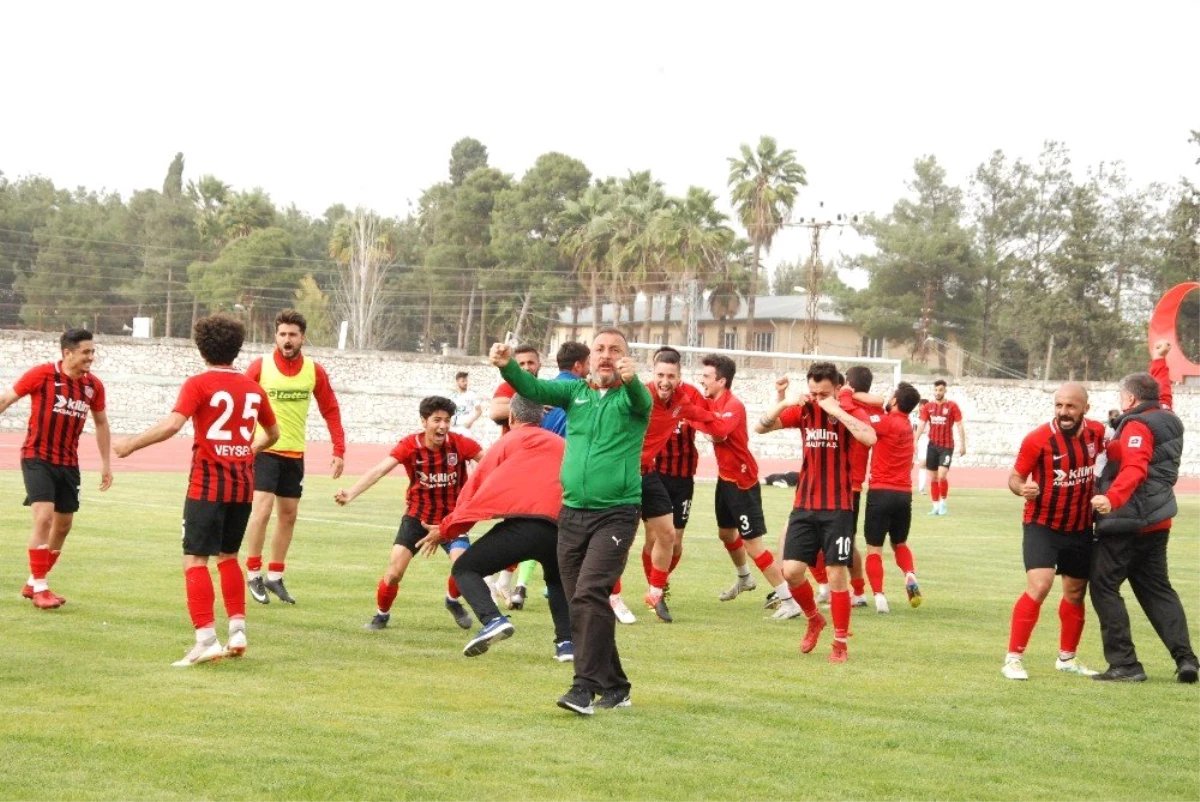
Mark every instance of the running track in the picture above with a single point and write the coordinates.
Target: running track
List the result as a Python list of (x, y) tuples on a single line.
[(174, 455)]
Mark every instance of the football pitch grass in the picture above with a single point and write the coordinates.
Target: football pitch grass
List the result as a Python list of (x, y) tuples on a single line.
[(724, 706)]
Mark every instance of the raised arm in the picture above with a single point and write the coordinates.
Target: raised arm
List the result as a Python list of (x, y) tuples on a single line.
[(554, 393)]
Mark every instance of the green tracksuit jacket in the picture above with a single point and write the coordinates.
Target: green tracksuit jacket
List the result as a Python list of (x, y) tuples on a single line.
[(601, 467)]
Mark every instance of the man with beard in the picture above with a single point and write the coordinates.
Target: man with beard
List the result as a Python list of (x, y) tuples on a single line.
[(607, 418), (290, 382), (1054, 474)]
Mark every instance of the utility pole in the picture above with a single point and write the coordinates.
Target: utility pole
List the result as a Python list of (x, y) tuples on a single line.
[(816, 271)]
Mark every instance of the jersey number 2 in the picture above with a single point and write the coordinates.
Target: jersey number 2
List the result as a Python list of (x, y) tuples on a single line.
[(218, 432)]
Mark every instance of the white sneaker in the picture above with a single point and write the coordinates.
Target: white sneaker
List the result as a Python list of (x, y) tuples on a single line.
[(499, 595), (858, 601), (742, 585), (942, 507), (201, 653), (624, 615), (1073, 666), (1014, 668), (236, 645), (788, 608), (881, 605), (822, 596)]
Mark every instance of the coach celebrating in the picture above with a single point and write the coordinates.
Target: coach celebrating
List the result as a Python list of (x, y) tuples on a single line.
[(602, 488), (1136, 505)]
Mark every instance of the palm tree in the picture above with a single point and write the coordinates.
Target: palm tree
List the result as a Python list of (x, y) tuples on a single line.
[(585, 241), (763, 186), (695, 239)]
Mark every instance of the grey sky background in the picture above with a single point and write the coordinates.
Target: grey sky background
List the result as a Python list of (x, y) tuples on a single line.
[(359, 103)]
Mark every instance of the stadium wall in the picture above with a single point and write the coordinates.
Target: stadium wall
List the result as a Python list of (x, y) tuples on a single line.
[(379, 391)]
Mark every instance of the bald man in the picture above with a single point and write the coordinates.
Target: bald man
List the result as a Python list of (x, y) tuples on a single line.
[(1054, 474)]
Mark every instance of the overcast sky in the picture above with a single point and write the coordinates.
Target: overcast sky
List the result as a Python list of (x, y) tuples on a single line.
[(359, 103)]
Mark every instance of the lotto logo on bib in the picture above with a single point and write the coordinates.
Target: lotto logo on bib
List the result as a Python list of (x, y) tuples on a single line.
[(288, 395)]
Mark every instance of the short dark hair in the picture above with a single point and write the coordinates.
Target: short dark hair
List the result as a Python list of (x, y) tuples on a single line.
[(436, 403), (725, 367), (462, 374), (667, 356), (823, 371), (570, 353), (1141, 386), (525, 411), (290, 317), (666, 349), (526, 348), (219, 338), (940, 383), (859, 378), (907, 397), (71, 338)]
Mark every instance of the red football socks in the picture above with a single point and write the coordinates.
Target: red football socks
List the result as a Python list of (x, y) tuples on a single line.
[(817, 569), (858, 586), (647, 565), (54, 555), (233, 588), (452, 587), (254, 563), (875, 572), (385, 594), (935, 491), (1024, 619), (200, 596), (1071, 616), (658, 579), (945, 488), (904, 558), (675, 561), (839, 606), (735, 545), (764, 560), (39, 562), (803, 594), (616, 591)]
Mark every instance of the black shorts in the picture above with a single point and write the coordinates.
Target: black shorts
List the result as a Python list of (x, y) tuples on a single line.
[(680, 489), (655, 499), (1068, 552), (45, 481), (412, 531), (812, 531), (740, 509), (857, 502), (283, 476), (214, 527), (889, 513), (938, 457)]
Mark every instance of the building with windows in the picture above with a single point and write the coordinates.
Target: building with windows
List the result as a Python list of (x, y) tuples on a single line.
[(780, 322)]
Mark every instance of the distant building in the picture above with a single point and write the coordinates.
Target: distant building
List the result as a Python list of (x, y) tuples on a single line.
[(779, 325)]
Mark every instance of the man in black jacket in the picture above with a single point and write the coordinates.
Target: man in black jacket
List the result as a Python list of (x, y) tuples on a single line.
[(1136, 505)]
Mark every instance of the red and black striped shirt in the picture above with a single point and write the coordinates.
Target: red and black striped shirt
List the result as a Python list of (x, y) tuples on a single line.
[(826, 470), (434, 475), (679, 456), (59, 410), (223, 405), (941, 417), (1062, 465)]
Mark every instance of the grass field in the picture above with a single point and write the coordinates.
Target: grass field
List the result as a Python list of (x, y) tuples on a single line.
[(725, 707)]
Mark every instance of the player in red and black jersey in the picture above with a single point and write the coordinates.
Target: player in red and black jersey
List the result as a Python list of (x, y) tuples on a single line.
[(889, 496), (1054, 474), (61, 394), (940, 416), (738, 498), (225, 407), (823, 516), (436, 461)]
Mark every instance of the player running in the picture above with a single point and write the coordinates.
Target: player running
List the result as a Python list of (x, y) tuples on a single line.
[(436, 461), (61, 394), (225, 407)]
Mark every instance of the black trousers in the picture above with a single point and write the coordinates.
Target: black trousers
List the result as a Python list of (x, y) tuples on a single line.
[(592, 548), (1142, 559), (509, 542)]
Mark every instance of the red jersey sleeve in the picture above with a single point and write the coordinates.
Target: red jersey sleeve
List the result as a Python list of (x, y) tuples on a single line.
[(1162, 374), (1137, 445), (846, 399), (98, 401), (189, 399), (792, 418), (925, 413), (955, 413), (402, 451), (330, 411), (254, 370), (505, 390), (30, 380), (1031, 449), (470, 449), (718, 424)]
